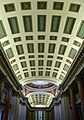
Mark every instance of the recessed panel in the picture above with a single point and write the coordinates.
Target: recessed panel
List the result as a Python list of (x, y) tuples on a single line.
[(15, 67), (50, 56), (25, 69), (74, 7), (76, 43), (41, 47), (57, 64), (17, 39), (53, 37), (40, 73), (61, 77), (47, 73), (32, 63), (32, 68), (51, 48), (40, 56), (72, 53), (5, 43), (9, 53), (55, 23), (14, 60), (26, 74), (60, 58), (41, 23), (49, 62), (64, 39), (19, 49), (30, 48), (42, 5), (33, 73), (62, 49), (58, 5), (31, 56), (40, 62), (23, 64), (40, 68), (9, 7), (26, 5), (29, 37), (2, 30), (27, 23), (81, 30), (54, 74), (68, 61), (13, 25), (22, 57), (69, 25), (41, 37), (19, 77), (66, 67)]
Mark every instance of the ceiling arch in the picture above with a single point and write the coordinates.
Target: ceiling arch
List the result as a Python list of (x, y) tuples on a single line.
[(41, 38)]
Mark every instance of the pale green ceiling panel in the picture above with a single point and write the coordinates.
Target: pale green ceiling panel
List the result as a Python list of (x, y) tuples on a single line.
[(2, 30), (72, 53), (9, 53), (55, 23), (13, 22), (81, 30), (69, 25)]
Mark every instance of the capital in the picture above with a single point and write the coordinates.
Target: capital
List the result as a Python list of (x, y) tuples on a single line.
[(79, 78), (3, 78)]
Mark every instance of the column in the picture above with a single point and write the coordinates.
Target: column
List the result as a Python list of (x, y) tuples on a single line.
[(7, 106), (73, 102), (80, 82), (2, 80), (56, 111), (15, 107), (47, 115), (52, 114), (27, 113), (65, 106), (22, 111)]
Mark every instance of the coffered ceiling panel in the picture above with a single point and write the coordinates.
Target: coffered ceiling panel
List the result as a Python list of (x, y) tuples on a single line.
[(41, 38)]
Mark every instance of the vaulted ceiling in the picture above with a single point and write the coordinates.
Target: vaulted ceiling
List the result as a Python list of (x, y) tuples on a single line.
[(41, 39)]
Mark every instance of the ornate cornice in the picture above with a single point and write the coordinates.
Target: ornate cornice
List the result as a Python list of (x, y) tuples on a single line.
[(73, 71), (8, 69)]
